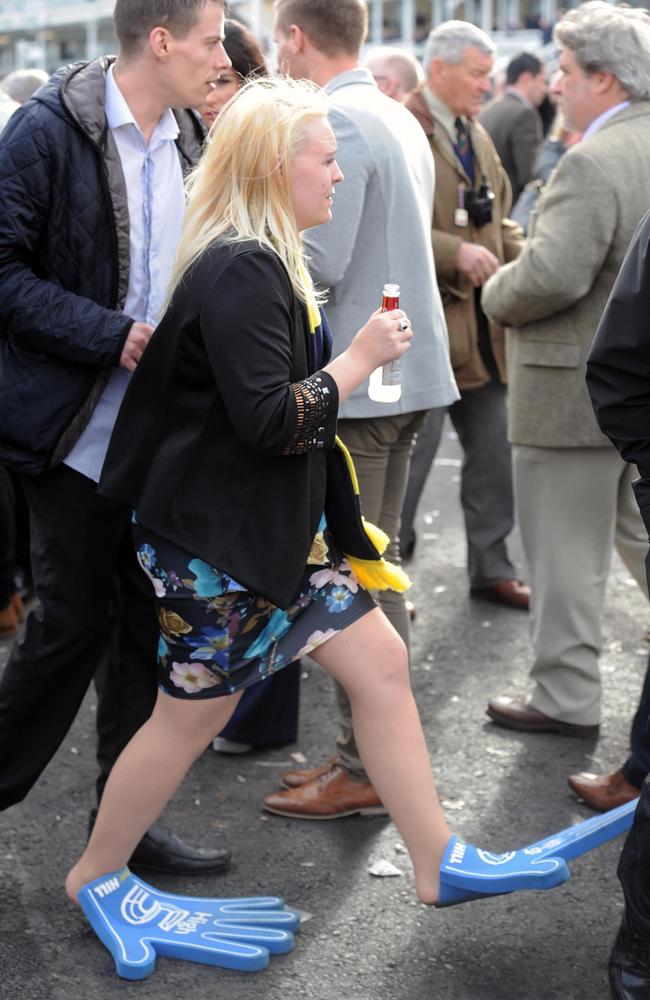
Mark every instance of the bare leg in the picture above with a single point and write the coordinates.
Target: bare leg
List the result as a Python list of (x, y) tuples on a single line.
[(369, 659), (145, 776)]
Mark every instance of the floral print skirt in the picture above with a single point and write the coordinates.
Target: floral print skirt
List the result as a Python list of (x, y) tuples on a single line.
[(216, 637)]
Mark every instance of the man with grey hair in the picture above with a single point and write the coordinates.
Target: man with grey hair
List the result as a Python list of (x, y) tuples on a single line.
[(7, 108), (397, 72), (572, 488), (22, 83), (471, 237)]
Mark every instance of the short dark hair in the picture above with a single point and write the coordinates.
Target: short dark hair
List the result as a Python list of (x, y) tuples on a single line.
[(244, 50), (525, 62), (134, 20), (333, 26)]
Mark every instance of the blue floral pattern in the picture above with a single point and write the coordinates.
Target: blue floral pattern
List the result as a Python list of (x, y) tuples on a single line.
[(216, 637)]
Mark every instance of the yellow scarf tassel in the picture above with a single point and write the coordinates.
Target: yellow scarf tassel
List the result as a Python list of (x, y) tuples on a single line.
[(377, 574), (378, 537)]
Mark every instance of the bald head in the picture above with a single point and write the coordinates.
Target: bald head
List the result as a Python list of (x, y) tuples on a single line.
[(396, 72)]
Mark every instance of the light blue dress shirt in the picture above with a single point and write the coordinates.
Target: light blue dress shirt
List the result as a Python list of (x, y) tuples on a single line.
[(600, 121), (156, 202)]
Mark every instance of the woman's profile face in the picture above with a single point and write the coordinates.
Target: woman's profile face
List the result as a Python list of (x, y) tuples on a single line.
[(226, 84), (314, 172)]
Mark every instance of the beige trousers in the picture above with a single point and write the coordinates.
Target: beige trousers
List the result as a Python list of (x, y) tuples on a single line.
[(381, 450), (573, 505)]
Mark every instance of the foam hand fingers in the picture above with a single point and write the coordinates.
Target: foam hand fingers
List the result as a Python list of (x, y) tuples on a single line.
[(137, 922)]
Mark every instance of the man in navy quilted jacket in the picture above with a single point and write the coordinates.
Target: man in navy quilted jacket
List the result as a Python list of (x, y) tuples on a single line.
[(91, 206)]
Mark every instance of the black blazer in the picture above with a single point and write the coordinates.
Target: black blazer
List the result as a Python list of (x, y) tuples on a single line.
[(618, 366), (220, 444)]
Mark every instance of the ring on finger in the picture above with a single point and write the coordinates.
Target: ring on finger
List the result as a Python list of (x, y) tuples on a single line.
[(404, 324)]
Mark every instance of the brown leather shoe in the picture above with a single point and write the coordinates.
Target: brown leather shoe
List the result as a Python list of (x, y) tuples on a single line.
[(511, 593), (332, 795), (518, 714), (603, 791), (19, 608), (8, 623), (296, 779)]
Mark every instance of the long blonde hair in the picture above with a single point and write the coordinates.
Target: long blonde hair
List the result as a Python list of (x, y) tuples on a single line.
[(241, 187)]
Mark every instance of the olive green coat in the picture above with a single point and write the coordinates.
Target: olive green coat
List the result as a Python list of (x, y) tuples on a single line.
[(502, 236)]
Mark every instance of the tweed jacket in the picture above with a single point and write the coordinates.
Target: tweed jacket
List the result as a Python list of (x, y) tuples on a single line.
[(379, 232), (502, 236), (553, 296), (516, 130)]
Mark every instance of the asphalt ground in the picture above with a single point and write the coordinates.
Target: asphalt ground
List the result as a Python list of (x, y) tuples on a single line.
[(363, 937)]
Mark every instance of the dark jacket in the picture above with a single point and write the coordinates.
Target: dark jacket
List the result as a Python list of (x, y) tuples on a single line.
[(618, 367), (515, 128), (221, 442), (64, 263)]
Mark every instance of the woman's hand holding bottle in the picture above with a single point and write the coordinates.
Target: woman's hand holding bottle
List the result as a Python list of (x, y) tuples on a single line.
[(384, 338)]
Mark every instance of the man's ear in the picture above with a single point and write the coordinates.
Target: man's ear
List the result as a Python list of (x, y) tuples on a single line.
[(605, 81), (159, 40), (436, 70), (392, 86), (297, 39)]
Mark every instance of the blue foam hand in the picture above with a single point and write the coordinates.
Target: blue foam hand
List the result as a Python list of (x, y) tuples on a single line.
[(137, 922), (582, 837), (466, 872)]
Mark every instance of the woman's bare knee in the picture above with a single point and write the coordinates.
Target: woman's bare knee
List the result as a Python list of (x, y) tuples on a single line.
[(195, 721), (368, 652)]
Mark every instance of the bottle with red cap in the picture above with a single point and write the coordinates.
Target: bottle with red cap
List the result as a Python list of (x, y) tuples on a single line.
[(385, 384)]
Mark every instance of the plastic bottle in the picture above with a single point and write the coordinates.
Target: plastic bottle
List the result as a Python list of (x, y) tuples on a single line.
[(385, 383)]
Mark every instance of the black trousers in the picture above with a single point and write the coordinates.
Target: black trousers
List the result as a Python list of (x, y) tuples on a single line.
[(95, 616), (637, 765), (7, 538), (267, 713), (634, 866)]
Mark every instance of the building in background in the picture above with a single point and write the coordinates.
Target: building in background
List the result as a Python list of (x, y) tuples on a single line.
[(50, 33)]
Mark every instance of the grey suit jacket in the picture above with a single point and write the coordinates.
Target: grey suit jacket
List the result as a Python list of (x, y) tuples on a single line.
[(381, 231), (516, 130), (551, 298)]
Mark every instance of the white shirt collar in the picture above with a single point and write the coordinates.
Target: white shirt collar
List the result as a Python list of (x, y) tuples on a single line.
[(441, 112), (606, 115), (119, 113)]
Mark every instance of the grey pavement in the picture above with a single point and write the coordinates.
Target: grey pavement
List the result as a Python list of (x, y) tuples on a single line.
[(363, 937)]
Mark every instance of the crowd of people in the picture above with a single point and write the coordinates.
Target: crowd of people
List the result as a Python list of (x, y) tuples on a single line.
[(190, 250)]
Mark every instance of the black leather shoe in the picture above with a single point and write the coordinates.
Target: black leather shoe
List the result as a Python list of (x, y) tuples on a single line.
[(160, 850), (407, 547), (629, 964)]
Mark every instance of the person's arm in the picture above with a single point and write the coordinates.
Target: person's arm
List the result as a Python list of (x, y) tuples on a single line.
[(512, 234), (618, 367), (374, 345), (524, 144), (329, 248), (246, 324), (36, 312), (549, 275), (514, 239), (446, 247)]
